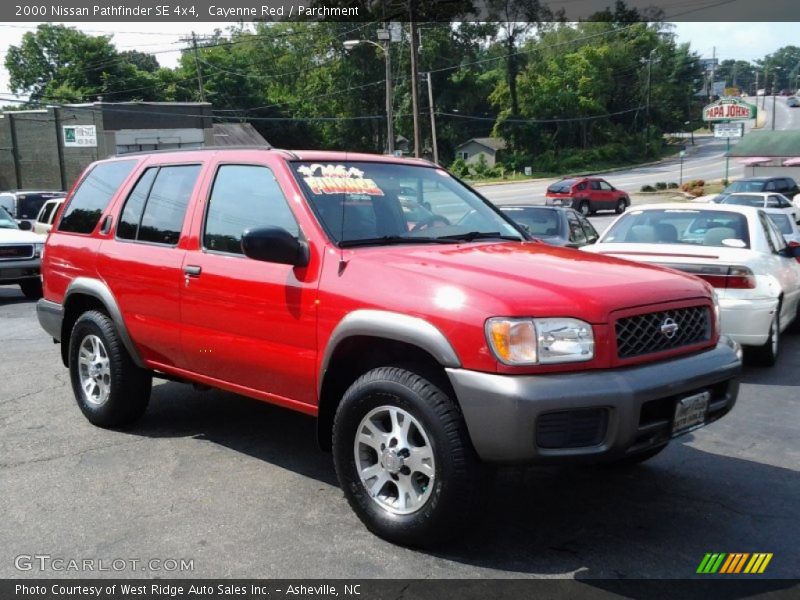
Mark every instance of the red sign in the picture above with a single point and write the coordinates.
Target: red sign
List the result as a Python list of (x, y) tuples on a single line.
[(725, 110)]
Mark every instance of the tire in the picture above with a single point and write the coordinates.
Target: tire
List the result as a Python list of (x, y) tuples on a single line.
[(109, 388), (767, 355), (585, 208), (621, 206), (446, 484), (32, 288), (635, 459)]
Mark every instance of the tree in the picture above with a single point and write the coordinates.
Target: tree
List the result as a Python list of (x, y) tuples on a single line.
[(61, 64)]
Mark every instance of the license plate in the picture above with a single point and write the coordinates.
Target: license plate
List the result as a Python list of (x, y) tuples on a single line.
[(556, 202), (690, 412)]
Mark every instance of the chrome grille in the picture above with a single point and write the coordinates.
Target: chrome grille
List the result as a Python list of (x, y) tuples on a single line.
[(663, 330), (16, 252)]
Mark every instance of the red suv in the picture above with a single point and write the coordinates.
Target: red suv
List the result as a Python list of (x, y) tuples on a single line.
[(429, 341), (587, 195)]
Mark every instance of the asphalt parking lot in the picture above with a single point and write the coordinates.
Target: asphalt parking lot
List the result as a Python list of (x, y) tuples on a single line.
[(240, 488)]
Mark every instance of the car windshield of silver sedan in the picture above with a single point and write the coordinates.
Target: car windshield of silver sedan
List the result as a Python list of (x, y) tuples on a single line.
[(364, 203), (681, 226)]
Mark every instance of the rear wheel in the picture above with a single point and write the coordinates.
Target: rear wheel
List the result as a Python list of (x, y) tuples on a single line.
[(32, 288), (404, 458), (109, 388), (621, 206), (767, 354)]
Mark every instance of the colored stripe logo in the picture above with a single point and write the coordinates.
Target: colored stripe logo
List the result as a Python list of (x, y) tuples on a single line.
[(737, 562)]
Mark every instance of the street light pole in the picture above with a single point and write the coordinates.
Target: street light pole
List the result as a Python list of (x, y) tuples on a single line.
[(774, 97), (386, 48), (414, 83), (433, 120)]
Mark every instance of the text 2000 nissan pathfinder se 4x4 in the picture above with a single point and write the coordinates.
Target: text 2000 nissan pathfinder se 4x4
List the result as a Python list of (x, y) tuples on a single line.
[(418, 324)]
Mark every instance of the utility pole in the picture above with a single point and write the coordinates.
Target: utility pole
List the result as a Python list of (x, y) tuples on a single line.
[(713, 73), (433, 120), (649, 73), (774, 97), (757, 74), (387, 49), (414, 80), (200, 86)]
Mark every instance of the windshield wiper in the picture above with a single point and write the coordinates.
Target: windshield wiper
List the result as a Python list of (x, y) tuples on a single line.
[(387, 240), (480, 235)]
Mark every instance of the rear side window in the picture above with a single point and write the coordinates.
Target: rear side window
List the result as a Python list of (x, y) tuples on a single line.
[(46, 212), (243, 197), (155, 210), (93, 195)]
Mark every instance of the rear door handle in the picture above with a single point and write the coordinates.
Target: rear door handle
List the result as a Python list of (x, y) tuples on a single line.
[(192, 270)]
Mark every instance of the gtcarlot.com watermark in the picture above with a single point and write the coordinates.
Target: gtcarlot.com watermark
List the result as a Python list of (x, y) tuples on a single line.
[(60, 564)]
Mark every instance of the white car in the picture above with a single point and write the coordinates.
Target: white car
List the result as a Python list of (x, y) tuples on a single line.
[(763, 200), (48, 212), (737, 249), (20, 256), (785, 224)]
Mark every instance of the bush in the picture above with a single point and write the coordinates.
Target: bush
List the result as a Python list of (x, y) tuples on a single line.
[(647, 188), (693, 184), (481, 167), (459, 168), (697, 191), (661, 185), (672, 185)]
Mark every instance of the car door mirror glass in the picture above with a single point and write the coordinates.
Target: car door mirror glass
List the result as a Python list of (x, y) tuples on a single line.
[(276, 245), (25, 225)]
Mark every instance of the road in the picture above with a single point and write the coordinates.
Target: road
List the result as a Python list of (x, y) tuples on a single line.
[(240, 488), (705, 160)]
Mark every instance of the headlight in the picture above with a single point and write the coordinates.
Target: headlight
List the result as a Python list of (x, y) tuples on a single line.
[(38, 249), (540, 341)]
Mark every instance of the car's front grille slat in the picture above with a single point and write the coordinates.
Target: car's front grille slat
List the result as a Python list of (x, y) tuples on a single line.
[(16, 251), (661, 331)]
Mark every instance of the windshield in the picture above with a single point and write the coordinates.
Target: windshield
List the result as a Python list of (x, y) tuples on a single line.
[(363, 202), (697, 227), (29, 205), (562, 187), (744, 186), (756, 201), (6, 220), (541, 222), (782, 222)]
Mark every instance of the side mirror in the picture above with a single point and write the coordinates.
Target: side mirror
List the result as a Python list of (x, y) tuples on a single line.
[(276, 245), (25, 225)]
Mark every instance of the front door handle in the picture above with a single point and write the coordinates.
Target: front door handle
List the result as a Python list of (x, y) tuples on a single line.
[(192, 270)]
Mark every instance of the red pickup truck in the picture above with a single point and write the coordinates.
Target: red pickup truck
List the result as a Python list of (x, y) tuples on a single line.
[(430, 341)]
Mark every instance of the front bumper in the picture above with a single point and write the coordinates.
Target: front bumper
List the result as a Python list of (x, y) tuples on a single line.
[(505, 413), (13, 271)]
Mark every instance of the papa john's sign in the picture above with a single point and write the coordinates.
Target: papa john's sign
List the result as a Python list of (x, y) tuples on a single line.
[(727, 109)]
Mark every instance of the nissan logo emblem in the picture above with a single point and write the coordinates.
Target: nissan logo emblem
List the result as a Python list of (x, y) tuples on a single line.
[(669, 328)]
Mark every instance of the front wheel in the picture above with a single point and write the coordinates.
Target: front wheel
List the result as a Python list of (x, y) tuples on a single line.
[(31, 288), (109, 388), (584, 208), (404, 458)]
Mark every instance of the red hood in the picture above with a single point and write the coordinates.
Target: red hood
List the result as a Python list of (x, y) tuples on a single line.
[(521, 279)]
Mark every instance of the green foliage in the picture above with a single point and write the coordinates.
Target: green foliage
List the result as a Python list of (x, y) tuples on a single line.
[(481, 167), (647, 188), (459, 168), (661, 185), (672, 185)]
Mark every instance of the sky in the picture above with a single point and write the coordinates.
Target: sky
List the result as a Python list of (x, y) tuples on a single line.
[(746, 41)]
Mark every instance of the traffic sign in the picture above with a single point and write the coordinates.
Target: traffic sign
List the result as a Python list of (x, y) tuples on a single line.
[(728, 130)]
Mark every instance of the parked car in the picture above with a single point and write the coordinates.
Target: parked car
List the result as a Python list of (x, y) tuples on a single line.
[(20, 253), (764, 200), (554, 225), (737, 249), (426, 353), (587, 195), (785, 224), (780, 185), (793, 102), (48, 212), (24, 205)]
